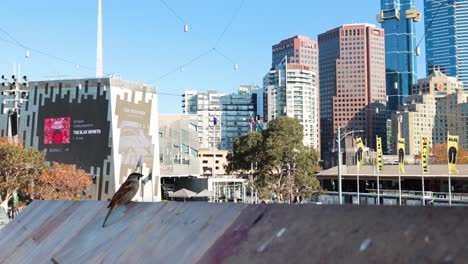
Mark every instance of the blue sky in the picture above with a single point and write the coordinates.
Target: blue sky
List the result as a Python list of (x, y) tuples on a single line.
[(144, 41)]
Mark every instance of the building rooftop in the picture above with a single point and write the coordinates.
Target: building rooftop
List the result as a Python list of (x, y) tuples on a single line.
[(435, 170)]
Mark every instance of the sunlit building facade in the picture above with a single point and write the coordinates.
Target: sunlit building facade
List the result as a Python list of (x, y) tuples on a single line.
[(446, 23), (237, 111), (437, 107), (207, 107), (397, 18), (352, 80)]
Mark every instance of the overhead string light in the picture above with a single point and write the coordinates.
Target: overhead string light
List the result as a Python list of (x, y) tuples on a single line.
[(186, 27), (215, 48), (28, 50)]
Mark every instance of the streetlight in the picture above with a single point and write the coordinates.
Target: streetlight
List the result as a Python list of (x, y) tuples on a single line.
[(339, 138), (13, 88)]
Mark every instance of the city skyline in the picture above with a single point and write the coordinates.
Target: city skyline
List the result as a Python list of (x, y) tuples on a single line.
[(149, 44), (446, 46)]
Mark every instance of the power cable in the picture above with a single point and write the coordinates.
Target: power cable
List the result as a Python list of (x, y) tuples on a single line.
[(17, 43), (223, 55), (229, 24), (172, 11), (183, 65), (430, 23), (236, 12), (12, 38)]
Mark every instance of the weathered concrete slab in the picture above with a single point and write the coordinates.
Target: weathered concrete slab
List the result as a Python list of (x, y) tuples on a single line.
[(347, 234), (71, 232)]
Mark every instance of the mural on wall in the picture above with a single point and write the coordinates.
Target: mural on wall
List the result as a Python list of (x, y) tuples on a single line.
[(135, 139)]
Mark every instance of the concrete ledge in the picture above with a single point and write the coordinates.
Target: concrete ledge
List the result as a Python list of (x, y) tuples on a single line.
[(71, 232)]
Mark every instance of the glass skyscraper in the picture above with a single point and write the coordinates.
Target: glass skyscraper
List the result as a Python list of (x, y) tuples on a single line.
[(237, 112), (397, 18), (446, 23)]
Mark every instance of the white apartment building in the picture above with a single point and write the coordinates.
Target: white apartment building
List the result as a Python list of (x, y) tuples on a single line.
[(207, 107), (291, 90)]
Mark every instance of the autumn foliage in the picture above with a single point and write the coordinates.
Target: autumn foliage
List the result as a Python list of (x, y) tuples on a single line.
[(61, 181), (24, 171), (19, 166), (439, 153)]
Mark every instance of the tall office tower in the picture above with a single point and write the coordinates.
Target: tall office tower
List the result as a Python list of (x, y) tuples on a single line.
[(298, 49), (397, 18), (446, 23), (237, 112), (207, 107), (291, 89), (352, 82)]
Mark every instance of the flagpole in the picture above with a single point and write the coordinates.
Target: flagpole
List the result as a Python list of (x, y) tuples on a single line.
[(214, 151), (422, 178), (251, 166), (449, 174), (357, 167), (377, 166), (399, 172), (422, 184), (358, 199), (399, 187), (450, 189)]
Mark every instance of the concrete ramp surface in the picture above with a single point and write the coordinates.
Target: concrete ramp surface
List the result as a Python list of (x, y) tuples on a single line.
[(199, 232)]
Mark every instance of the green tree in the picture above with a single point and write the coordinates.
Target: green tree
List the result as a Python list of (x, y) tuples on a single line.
[(282, 164), (19, 166)]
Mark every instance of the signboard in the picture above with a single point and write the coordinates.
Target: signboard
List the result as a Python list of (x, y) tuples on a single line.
[(360, 150), (452, 153), (379, 154), (424, 154), (401, 154)]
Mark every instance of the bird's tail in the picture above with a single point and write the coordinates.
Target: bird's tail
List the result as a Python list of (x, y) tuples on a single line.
[(107, 216)]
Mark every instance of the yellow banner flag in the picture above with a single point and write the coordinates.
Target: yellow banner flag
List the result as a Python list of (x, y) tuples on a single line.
[(401, 154), (424, 154), (452, 153), (379, 154), (359, 151)]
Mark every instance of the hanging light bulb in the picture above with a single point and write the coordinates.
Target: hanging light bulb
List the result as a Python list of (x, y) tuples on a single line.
[(235, 67), (26, 54), (396, 85), (418, 51), (186, 28)]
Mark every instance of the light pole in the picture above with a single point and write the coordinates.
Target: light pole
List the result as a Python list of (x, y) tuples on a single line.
[(340, 194), (13, 88)]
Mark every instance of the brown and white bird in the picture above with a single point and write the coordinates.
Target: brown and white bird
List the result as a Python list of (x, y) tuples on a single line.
[(125, 193)]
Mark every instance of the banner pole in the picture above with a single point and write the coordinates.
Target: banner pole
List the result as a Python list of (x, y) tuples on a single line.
[(378, 169)]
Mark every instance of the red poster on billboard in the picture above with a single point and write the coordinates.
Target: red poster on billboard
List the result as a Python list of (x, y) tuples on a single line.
[(57, 130)]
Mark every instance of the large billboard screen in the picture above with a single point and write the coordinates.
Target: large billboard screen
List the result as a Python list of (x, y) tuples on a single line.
[(74, 131)]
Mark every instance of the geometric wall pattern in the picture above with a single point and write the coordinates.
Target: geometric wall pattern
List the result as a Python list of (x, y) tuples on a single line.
[(103, 126)]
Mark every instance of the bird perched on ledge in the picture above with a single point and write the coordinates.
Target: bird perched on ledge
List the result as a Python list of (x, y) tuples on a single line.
[(125, 193)]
